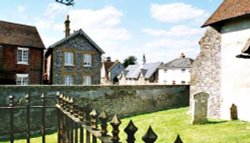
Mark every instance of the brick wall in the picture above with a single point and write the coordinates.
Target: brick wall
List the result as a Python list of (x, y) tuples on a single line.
[(10, 68)]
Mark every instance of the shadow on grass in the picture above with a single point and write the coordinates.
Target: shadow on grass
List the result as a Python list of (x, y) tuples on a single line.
[(150, 112), (215, 122)]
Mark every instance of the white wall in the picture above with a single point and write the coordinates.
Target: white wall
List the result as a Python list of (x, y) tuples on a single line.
[(177, 75), (235, 71)]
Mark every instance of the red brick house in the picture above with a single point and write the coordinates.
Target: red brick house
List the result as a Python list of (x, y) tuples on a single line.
[(21, 54)]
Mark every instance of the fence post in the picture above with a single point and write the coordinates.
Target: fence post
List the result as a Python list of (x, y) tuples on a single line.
[(76, 114), (43, 117), (150, 136), (81, 117), (103, 117), (115, 123), (87, 121), (93, 121), (11, 104), (130, 130), (27, 97), (59, 120), (178, 139)]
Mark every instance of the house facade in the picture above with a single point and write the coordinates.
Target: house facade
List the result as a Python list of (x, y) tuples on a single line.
[(21, 54), (176, 71), (110, 71), (222, 68), (74, 60), (146, 73)]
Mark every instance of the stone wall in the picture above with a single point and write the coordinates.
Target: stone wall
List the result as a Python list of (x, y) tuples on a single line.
[(206, 71), (124, 100)]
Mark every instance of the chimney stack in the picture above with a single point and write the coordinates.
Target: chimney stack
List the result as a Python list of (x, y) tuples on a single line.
[(182, 55), (67, 26), (144, 59), (108, 59)]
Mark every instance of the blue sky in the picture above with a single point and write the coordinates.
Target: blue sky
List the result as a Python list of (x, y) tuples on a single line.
[(160, 29)]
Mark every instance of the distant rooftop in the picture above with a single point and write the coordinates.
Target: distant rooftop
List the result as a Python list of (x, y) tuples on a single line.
[(133, 71)]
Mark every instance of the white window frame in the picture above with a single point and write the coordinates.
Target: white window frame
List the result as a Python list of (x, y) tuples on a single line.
[(68, 58), (68, 80), (87, 60), (22, 79), (24, 58), (87, 80)]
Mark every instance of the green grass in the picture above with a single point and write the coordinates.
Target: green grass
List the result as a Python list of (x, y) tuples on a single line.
[(167, 124)]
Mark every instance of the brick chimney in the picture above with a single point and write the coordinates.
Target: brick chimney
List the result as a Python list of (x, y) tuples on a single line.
[(67, 27), (182, 55)]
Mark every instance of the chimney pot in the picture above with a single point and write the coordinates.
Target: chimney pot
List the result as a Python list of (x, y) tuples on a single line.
[(67, 26), (182, 55)]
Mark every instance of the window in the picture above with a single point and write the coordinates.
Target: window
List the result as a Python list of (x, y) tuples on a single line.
[(68, 59), (183, 70), (22, 55), (87, 60), (68, 80), (183, 82), (173, 82), (165, 71), (86, 80), (22, 79)]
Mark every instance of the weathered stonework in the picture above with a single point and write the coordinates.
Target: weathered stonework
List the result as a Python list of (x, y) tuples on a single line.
[(206, 71), (199, 111)]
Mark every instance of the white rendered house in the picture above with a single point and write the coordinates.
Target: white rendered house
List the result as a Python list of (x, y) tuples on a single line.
[(228, 82), (176, 71)]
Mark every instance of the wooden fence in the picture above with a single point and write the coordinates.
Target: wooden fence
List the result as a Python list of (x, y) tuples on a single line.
[(78, 124)]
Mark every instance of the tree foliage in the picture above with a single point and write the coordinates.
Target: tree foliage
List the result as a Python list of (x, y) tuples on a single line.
[(131, 60)]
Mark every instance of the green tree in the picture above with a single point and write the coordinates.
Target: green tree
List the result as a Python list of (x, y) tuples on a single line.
[(131, 60)]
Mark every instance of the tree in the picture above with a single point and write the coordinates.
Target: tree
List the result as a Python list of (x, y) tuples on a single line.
[(131, 60)]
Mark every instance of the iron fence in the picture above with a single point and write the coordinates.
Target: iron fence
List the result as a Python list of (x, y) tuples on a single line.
[(12, 108), (72, 118), (77, 124)]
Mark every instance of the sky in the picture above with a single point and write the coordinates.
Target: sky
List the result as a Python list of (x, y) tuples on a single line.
[(160, 29)]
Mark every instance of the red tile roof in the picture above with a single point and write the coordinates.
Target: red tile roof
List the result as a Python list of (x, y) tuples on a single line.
[(108, 65), (229, 9), (20, 35)]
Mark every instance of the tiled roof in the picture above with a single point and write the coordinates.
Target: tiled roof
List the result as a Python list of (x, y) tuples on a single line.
[(108, 65), (133, 71), (229, 9), (20, 35), (178, 63), (79, 32)]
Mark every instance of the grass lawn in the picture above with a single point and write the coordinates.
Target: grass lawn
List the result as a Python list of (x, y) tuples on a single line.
[(167, 124)]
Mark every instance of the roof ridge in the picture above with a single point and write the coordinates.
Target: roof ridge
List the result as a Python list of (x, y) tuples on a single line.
[(20, 24)]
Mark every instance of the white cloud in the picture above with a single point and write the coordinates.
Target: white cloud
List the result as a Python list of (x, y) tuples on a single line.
[(21, 8), (101, 25), (176, 31), (176, 12), (54, 9)]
